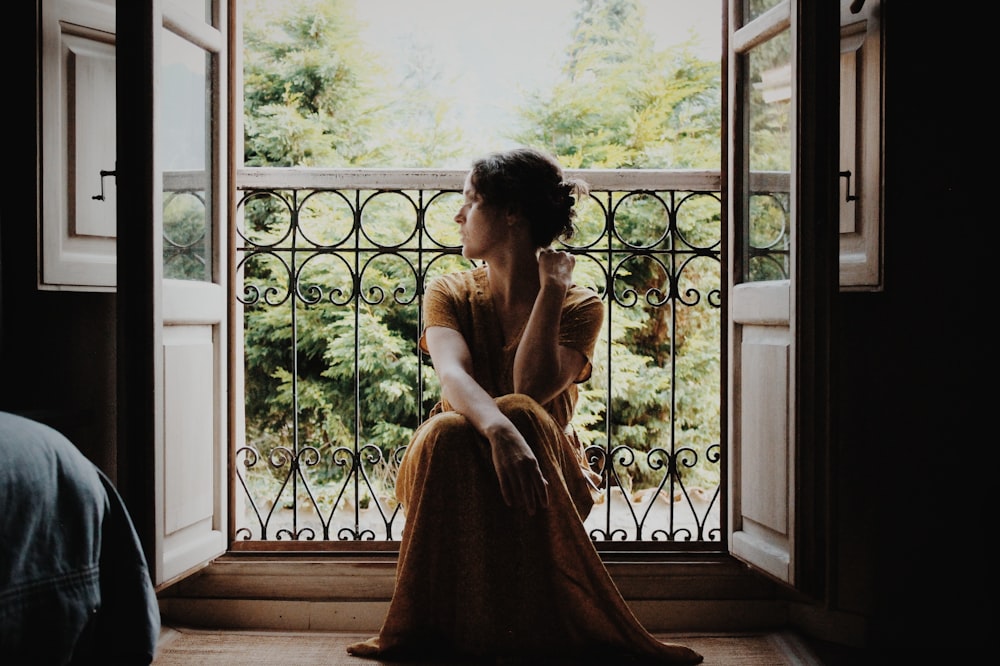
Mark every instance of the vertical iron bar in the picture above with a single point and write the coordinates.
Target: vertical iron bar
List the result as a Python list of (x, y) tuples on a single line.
[(293, 278)]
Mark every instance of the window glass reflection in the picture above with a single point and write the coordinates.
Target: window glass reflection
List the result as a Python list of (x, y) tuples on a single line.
[(185, 149), (755, 8), (770, 157), (199, 8)]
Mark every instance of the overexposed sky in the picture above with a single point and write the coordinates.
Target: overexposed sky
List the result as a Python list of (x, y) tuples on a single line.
[(491, 51), (525, 31)]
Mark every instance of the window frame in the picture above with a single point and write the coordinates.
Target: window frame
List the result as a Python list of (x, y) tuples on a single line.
[(694, 589)]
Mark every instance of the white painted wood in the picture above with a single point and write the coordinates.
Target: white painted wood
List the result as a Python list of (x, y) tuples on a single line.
[(189, 426), (195, 389), (761, 447), (761, 352), (77, 231), (772, 22), (861, 103), (764, 444), (762, 303), (187, 321), (768, 552), (191, 469), (189, 302)]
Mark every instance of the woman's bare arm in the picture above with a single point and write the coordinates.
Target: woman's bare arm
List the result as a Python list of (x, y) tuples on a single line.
[(521, 480), (542, 367)]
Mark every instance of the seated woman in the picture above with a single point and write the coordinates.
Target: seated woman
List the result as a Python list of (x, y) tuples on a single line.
[(74, 585), (495, 561)]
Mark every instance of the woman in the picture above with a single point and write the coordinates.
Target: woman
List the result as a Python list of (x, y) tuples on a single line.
[(494, 560)]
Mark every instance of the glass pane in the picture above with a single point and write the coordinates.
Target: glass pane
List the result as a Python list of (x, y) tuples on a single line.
[(199, 8), (185, 147), (755, 8), (769, 157)]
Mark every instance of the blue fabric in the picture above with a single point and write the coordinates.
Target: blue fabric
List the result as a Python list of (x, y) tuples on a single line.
[(74, 582)]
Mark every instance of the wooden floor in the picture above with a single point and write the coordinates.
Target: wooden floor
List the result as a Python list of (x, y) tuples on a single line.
[(200, 647)]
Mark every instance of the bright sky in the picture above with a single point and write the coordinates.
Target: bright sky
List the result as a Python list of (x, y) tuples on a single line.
[(495, 50)]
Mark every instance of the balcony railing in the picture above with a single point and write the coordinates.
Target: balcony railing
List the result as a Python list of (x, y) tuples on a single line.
[(331, 270)]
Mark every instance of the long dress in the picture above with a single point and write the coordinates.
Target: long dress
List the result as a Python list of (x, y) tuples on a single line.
[(477, 579)]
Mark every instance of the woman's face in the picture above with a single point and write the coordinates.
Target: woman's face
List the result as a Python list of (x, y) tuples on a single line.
[(480, 227)]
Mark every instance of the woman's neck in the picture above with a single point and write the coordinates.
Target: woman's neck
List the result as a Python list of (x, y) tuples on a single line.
[(513, 279)]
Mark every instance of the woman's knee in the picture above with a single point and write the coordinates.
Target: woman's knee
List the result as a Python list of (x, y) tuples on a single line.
[(444, 430), (451, 424), (444, 444), (516, 404), (519, 407)]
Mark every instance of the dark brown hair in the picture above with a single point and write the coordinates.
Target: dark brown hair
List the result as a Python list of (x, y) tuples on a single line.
[(530, 182)]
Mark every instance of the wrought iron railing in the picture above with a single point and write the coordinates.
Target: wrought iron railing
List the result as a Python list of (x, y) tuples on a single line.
[(331, 268)]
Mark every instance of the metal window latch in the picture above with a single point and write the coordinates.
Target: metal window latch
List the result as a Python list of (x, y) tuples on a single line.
[(848, 195), (100, 197)]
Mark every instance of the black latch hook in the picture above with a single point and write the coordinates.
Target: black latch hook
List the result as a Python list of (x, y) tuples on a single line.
[(848, 195), (100, 197)]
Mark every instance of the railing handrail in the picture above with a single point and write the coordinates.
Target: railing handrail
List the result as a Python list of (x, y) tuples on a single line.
[(602, 180)]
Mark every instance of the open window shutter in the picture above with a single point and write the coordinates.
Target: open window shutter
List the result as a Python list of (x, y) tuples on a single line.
[(782, 180), (172, 277)]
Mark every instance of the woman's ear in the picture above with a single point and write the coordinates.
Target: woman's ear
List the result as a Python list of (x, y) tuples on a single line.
[(512, 217)]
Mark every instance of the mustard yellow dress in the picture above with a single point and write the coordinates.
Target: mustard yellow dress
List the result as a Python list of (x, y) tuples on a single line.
[(476, 579)]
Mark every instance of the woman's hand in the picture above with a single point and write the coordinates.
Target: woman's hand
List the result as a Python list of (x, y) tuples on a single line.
[(542, 367), (555, 268), (521, 482)]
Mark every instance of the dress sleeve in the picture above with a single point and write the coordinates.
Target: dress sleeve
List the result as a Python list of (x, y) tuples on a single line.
[(439, 307), (581, 322)]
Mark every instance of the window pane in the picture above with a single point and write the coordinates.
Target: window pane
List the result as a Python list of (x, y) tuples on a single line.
[(200, 8), (186, 150), (770, 157), (755, 8)]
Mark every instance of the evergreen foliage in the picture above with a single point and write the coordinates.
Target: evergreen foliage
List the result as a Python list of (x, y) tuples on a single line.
[(312, 99)]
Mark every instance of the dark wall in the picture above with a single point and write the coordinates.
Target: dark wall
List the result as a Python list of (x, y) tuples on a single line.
[(909, 464), (57, 352)]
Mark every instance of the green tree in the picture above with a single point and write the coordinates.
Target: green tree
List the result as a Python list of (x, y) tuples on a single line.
[(621, 103), (308, 90), (314, 95)]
